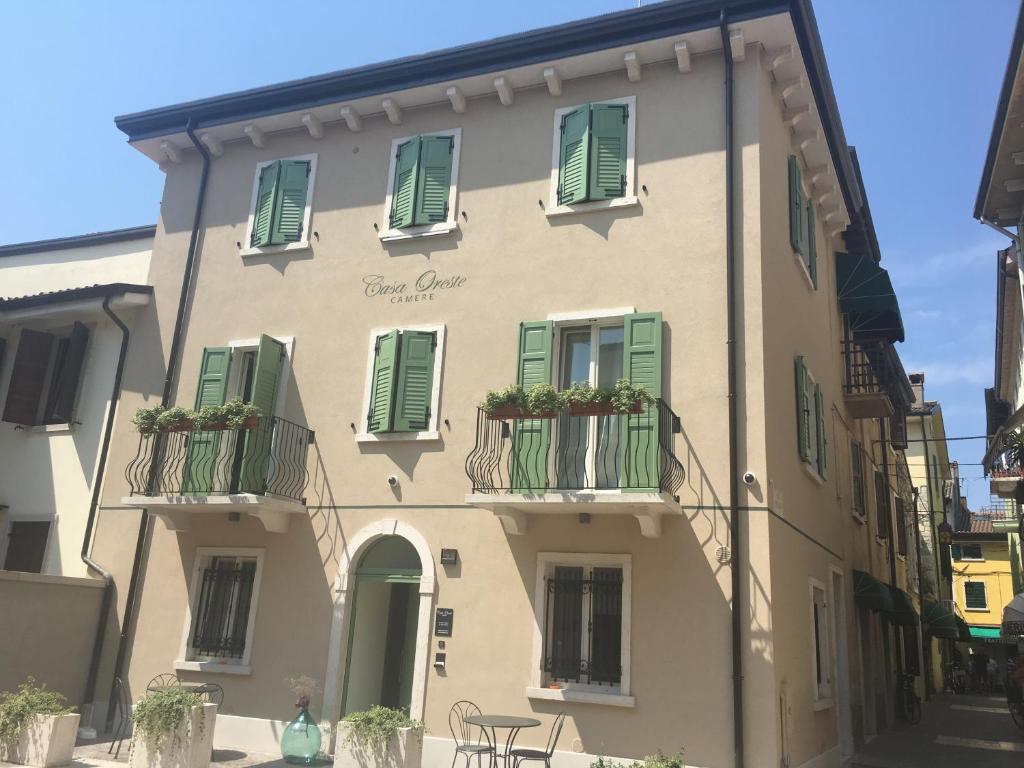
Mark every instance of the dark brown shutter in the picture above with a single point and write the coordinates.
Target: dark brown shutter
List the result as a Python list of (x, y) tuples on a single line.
[(69, 377), (26, 388)]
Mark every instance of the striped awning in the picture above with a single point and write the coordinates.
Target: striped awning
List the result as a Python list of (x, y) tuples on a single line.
[(871, 593), (940, 621)]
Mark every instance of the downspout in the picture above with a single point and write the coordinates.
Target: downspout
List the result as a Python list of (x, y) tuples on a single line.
[(896, 632), (1001, 230), (735, 529), (172, 367), (108, 586)]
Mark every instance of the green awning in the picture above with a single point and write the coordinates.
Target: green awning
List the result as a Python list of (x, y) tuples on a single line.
[(903, 613), (871, 593), (983, 631), (940, 620), (867, 297)]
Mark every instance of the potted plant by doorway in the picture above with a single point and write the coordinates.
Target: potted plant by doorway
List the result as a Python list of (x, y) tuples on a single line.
[(380, 737), (37, 727), (173, 728), (541, 401)]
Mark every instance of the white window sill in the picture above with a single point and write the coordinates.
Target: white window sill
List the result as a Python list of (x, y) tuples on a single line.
[(820, 705), (597, 205), (581, 697), (812, 473), (397, 437), (976, 610), (270, 250), (213, 666), (804, 270), (428, 230), (860, 517), (46, 429)]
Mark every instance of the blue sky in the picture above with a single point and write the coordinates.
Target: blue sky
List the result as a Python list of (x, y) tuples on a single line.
[(916, 80)]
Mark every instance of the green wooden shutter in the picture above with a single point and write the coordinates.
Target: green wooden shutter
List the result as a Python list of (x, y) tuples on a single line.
[(608, 123), (263, 214), (415, 386), (803, 428), (70, 375), (531, 438), (403, 191), (266, 382), (819, 410), (382, 384), (434, 179), (201, 452), (639, 445), (290, 202), (573, 155), (25, 389), (812, 245), (796, 206)]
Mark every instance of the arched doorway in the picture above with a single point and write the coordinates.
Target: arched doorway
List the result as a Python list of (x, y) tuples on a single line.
[(380, 661)]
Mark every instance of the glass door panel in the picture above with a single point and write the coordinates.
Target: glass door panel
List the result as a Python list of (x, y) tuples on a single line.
[(573, 435), (608, 428)]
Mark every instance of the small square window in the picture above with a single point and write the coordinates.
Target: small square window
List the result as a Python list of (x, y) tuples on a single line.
[(822, 649), (975, 597)]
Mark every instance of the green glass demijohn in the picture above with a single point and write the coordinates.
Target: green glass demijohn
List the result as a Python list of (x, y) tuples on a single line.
[(300, 744)]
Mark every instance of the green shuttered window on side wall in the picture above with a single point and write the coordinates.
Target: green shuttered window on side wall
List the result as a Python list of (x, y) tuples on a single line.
[(592, 153), (802, 236), (422, 181), (812, 437), (402, 381), (280, 208)]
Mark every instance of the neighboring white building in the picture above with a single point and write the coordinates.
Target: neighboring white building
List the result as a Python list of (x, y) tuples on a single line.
[(60, 349)]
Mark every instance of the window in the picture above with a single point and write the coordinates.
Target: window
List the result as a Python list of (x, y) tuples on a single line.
[(857, 477), (592, 162), (45, 379), (967, 552), (901, 527), (26, 545), (882, 505), (802, 227), (822, 653), (975, 598), (403, 383), (583, 611), (422, 183), (812, 440), (280, 209), (222, 601)]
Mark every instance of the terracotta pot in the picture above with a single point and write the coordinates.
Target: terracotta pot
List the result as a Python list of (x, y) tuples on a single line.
[(250, 423), (185, 425), (506, 412), (598, 409)]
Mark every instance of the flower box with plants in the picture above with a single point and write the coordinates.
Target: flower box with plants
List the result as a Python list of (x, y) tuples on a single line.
[(379, 738), (541, 401), (624, 397), (37, 727), (657, 760), (173, 728), (234, 414)]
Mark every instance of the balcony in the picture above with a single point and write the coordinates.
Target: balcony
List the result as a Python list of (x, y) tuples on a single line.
[(1005, 482), (259, 472), (872, 379), (572, 464)]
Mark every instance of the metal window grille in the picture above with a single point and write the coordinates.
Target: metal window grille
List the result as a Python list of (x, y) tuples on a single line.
[(583, 625), (974, 595), (882, 505), (222, 614)]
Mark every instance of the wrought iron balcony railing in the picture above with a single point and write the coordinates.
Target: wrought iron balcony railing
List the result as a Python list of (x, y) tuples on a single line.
[(627, 452), (269, 460), (870, 367)]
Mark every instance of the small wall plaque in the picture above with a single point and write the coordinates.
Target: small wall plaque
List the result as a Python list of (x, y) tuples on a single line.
[(449, 556), (443, 622)]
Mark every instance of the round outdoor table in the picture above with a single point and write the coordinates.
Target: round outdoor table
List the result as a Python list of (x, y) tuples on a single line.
[(512, 722)]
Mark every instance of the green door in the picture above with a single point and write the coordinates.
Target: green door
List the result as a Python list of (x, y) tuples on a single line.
[(265, 384), (201, 453), (531, 438), (641, 364)]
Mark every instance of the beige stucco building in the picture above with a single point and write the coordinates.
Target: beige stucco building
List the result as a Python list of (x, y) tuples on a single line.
[(365, 254)]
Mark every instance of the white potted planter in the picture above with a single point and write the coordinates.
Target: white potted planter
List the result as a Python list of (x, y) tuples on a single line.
[(403, 750), (46, 740), (188, 747)]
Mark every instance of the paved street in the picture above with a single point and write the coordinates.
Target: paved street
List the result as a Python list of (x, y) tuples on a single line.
[(959, 731)]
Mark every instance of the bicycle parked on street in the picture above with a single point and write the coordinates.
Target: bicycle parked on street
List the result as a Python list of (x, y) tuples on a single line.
[(910, 701)]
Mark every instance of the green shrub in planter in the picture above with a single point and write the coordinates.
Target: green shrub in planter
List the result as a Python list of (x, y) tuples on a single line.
[(512, 396), (657, 760), (18, 707), (161, 712), (542, 398), (375, 727), (146, 420), (235, 413), (172, 417)]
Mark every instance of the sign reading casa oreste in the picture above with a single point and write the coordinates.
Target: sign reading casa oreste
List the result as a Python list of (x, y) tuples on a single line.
[(426, 287)]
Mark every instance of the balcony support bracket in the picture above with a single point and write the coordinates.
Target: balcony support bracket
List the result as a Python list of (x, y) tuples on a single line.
[(514, 521), (650, 523)]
